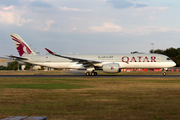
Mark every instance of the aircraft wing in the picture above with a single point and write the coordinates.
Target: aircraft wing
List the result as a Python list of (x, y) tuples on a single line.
[(15, 57), (85, 62)]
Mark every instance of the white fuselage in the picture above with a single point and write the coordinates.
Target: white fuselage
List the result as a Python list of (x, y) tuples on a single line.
[(124, 61)]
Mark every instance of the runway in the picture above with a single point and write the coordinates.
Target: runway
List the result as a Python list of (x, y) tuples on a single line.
[(83, 76)]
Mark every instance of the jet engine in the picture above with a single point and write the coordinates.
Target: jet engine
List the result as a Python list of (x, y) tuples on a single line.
[(111, 68)]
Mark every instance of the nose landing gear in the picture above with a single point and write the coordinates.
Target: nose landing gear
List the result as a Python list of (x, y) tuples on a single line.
[(164, 73)]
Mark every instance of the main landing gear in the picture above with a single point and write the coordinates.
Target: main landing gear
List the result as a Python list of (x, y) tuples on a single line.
[(91, 73)]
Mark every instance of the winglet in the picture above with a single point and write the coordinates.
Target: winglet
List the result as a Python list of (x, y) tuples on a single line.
[(49, 51)]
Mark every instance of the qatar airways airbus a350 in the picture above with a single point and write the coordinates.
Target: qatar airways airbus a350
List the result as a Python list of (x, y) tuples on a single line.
[(110, 63)]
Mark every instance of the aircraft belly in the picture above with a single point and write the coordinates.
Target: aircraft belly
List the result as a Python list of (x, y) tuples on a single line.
[(135, 65), (77, 66), (161, 65), (166, 64), (146, 65), (57, 64)]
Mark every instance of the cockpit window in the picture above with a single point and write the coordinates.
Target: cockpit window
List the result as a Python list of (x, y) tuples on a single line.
[(168, 58)]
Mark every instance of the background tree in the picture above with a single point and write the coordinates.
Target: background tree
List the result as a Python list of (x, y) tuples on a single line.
[(13, 66), (2, 68), (134, 52), (137, 52), (159, 51), (28, 66)]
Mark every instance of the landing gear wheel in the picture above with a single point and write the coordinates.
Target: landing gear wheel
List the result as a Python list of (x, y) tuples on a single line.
[(95, 73), (87, 74), (91, 73), (164, 73)]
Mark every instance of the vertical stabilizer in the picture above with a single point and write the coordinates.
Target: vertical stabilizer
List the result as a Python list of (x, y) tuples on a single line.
[(21, 46)]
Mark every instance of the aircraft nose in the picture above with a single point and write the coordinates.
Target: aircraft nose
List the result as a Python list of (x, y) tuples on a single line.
[(173, 63)]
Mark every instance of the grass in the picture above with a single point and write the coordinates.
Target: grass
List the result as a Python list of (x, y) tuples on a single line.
[(41, 86), (91, 98), (30, 72)]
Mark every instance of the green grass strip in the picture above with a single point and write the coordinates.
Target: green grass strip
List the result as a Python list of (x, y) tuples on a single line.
[(42, 86)]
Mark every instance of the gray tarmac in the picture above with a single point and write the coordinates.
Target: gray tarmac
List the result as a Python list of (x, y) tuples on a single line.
[(84, 76)]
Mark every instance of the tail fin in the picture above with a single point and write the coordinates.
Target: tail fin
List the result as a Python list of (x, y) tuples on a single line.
[(21, 46)]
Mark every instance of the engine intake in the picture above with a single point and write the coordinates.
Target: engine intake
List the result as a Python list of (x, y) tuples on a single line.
[(111, 68)]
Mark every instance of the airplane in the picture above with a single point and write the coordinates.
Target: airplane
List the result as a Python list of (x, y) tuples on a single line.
[(109, 63)]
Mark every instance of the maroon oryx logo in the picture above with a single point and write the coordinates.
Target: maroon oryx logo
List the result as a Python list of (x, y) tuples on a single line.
[(111, 67), (20, 46)]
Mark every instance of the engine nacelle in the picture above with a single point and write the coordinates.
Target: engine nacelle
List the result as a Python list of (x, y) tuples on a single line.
[(111, 68)]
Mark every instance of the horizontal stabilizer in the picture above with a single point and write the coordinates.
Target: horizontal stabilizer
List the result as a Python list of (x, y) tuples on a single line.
[(15, 57)]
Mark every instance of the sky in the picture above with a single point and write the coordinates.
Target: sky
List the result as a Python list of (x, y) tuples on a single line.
[(90, 26)]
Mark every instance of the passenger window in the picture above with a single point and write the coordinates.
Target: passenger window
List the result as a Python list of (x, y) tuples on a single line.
[(168, 58)]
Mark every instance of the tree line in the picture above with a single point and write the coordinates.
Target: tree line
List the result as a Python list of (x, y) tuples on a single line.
[(14, 66)]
